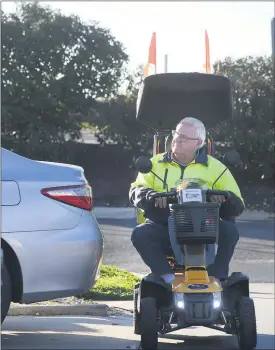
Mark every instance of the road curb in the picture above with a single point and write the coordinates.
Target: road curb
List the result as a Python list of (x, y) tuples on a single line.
[(57, 310)]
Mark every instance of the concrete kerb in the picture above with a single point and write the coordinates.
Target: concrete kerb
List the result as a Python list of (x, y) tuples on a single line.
[(100, 310), (97, 309), (121, 213)]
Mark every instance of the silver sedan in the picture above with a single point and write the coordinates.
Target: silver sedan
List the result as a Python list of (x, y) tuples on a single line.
[(51, 240)]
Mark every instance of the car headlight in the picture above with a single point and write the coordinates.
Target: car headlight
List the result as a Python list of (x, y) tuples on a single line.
[(179, 300), (217, 300)]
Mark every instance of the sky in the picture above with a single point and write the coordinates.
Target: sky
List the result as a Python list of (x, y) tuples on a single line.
[(235, 29)]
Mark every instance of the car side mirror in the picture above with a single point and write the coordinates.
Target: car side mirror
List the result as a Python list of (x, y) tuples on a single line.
[(143, 165), (232, 158)]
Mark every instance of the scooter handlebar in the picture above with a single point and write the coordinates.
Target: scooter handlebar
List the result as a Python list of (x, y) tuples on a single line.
[(172, 196), (226, 194)]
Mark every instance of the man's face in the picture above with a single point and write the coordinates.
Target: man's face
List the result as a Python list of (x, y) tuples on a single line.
[(185, 140)]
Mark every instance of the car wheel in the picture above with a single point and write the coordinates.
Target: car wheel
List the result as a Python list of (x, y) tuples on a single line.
[(6, 291)]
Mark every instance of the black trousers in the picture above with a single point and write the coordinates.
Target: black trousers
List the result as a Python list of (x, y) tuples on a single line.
[(151, 241)]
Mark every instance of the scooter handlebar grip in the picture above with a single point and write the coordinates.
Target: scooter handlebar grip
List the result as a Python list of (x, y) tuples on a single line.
[(219, 193)]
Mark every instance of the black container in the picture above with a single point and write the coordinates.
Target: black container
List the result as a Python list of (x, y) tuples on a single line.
[(196, 223)]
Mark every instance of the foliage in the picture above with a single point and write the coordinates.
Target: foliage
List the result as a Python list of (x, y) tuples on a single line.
[(54, 67), (252, 131), (113, 284), (115, 118)]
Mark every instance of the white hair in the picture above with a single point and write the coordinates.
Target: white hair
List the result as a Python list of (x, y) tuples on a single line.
[(200, 131)]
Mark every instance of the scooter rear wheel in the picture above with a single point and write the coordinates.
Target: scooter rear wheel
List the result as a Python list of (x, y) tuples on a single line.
[(247, 328), (148, 323)]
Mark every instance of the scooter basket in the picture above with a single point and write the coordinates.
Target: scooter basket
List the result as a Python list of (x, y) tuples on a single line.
[(195, 223)]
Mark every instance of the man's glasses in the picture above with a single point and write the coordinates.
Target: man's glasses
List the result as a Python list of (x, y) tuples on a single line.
[(182, 137)]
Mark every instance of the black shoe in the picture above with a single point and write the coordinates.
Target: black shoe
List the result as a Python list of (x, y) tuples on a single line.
[(157, 279)]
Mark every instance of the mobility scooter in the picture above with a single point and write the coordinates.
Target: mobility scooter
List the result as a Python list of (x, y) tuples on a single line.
[(195, 299)]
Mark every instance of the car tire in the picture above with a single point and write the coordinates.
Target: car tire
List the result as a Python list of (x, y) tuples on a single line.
[(247, 328), (6, 291)]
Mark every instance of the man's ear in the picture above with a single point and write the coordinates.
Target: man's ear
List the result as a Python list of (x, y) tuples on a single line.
[(199, 142)]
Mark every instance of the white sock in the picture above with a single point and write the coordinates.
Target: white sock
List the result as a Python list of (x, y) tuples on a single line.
[(168, 277)]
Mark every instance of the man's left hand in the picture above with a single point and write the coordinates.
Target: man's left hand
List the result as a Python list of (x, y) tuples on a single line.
[(218, 199)]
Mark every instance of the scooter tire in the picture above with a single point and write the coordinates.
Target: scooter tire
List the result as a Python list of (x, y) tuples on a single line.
[(148, 323), (136, 314), (247, 329)]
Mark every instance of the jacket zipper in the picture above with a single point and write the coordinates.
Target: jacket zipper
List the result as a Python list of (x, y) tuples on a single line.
[(165, 179), (182, 172)]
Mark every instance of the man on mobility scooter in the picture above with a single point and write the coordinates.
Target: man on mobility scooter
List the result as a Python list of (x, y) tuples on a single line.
[(186, 157), (189, 285)]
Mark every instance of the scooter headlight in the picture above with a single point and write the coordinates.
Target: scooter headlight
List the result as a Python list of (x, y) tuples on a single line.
[(179, 300), (217, 300)]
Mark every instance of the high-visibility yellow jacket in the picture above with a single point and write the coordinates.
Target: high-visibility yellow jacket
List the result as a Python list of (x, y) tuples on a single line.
[(204, 167)]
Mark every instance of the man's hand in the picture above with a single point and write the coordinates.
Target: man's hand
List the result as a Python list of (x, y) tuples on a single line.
[(161, 202), (218, 199)]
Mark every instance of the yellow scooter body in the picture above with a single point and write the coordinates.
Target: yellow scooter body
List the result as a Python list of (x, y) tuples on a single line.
[(195, 281)]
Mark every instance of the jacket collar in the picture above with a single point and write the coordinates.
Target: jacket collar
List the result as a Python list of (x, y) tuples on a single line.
[(200, 159)]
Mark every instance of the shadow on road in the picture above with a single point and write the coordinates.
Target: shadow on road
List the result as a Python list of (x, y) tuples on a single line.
[(65, 332), (265, 341), (102, 333), (62, 341)]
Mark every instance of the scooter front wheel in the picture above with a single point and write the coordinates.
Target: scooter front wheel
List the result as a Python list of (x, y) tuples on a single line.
[(247, 327), (148, 323), (136, 314)]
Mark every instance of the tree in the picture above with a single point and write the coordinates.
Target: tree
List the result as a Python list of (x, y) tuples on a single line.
[(252, 131), (54, 68), (114, 119)]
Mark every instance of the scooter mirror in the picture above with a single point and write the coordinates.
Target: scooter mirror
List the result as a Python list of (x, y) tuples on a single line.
[(143, 165), (232, 158)]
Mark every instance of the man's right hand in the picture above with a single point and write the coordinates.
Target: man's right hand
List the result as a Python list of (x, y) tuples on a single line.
[(161, 202)]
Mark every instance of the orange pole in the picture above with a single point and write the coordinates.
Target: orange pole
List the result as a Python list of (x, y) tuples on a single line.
[(207, 54)]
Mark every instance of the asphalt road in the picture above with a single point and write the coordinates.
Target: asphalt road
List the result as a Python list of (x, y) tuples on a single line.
[(254, 254)]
